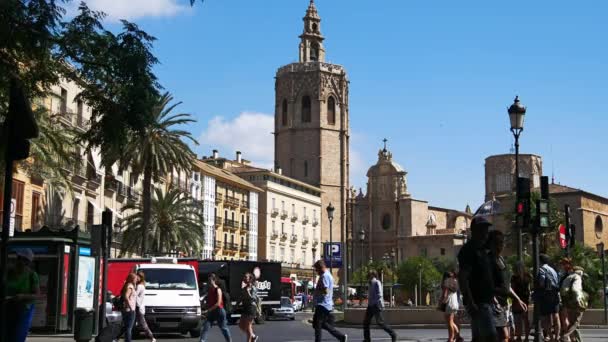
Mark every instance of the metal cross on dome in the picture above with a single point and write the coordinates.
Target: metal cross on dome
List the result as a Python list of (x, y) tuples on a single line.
[(384, 140)]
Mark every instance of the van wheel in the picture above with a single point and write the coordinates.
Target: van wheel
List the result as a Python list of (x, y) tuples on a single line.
[(195, 333)]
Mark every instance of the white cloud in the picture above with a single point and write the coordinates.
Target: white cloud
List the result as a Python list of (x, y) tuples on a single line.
[(133, 9), (249, 133)]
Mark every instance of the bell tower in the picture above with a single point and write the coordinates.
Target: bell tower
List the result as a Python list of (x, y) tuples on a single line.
[(311, 124)]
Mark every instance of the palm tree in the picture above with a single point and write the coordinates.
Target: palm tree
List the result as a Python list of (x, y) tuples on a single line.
[(157, 151), (175, 225)]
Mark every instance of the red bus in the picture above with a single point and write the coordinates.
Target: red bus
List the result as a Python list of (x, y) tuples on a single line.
[(288, 288)]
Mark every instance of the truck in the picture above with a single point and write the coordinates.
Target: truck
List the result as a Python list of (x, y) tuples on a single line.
[(268, 283), (172, 295)]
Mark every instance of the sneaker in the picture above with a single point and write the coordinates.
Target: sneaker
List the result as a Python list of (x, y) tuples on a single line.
[(255, 338), (344, 339)]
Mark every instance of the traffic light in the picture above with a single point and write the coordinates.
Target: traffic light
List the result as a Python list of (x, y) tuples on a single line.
[(523, 203), (542, 213)]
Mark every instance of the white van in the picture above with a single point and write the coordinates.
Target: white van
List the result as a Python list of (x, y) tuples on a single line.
[(172, 298)]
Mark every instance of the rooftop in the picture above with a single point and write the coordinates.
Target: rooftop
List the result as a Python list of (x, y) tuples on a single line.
[(225, 176)]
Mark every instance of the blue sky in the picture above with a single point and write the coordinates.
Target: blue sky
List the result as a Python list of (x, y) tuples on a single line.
[(433, 77)]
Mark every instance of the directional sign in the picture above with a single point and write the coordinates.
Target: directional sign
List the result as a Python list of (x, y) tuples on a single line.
[(563, 242)]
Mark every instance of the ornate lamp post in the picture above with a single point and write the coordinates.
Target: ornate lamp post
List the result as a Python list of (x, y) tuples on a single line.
[(330, 215), (361, 240), (517, 113)]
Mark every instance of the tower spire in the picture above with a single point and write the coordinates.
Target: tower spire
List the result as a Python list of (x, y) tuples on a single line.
[(311, 40)]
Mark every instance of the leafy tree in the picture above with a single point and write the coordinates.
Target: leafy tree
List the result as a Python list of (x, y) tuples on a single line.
[(360, 275), (414, 268), (175, 225), (443, 264), (157, 151)]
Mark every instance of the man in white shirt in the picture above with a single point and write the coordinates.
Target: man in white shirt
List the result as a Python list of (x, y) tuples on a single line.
[(375, 305)]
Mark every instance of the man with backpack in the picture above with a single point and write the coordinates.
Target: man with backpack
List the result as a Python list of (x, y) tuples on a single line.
[(547, 292), (574, 301)]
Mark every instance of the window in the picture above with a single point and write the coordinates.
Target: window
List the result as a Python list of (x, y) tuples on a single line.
[(90, 214), (18, 191), (292, 256), (64, 101), (242, 241), (304, 257), (306, 108), (442, 251), (75, 209), (35, 209), (293, 208), (293, 229), (274, 228), (331, 111), (282, 205), (599, 226), (242, 218), (304, 208), (226, 214), (272, 253), (305, 168), (273, 204), (284, 113), (282, 253), (314, 51), (282, 227), (225, 237)]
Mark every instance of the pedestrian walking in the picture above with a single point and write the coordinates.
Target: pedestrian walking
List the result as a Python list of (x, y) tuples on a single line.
[(324, 304), (450, 306), (520, 283), (375, 306), (23, 288), (128, 297), (502, 286), (547, 295), (476, 281), (575, 301), (249, 295), (140, 313), (215, 311)]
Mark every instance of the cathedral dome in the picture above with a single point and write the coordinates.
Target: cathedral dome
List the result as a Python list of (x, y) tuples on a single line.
[(385, 165)]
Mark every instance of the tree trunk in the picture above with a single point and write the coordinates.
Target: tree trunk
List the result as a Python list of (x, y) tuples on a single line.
[(147, 203)]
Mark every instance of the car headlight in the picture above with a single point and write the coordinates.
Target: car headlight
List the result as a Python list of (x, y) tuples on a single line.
[(198, 311)]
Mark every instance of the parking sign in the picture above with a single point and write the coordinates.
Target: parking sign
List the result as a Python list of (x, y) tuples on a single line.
[(335, 250)]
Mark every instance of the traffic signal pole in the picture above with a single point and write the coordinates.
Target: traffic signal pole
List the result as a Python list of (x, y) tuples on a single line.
[(6, 219)]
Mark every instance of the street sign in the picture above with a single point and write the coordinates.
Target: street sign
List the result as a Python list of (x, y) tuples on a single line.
[(11, 230), (563, 242), (335, 250)]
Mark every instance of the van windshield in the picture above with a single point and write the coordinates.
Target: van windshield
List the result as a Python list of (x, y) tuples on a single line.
[(169, 279)]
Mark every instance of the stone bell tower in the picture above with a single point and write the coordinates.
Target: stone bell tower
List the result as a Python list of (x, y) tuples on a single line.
[(311, 124)]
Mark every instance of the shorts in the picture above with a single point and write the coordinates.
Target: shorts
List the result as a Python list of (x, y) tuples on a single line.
[(500, 315), (482, 323), (548, 303)]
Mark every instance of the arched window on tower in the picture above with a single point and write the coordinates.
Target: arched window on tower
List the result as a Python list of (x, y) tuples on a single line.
[(331, 111), (314, 52), (284, 113), (306, 108)]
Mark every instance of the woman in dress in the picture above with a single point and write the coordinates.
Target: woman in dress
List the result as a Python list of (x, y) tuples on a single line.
[(450, 305), (250, 307), (129, 297), (140, 313)]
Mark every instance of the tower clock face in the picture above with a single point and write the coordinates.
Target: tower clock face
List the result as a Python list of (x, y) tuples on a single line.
[(386, 221)]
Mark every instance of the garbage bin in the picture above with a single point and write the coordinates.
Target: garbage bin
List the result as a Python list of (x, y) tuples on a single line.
[(83, 324)]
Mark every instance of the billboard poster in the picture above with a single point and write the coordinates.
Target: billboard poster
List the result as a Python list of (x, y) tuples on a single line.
[(86, 286)]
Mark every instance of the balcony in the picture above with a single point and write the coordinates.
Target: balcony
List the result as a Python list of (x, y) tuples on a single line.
[(283, 236), (305, 240), (80, 122), (231, 224), (132, 194), (229, 246), (218, 221), (79, 171), (274, 234), (217, 245), (315, 222), (232, 201), (111, 184), (294, 239), (284, 214), (121, 190), (315, 242), (245, 227), (305, 220), (219, 198), (94, 179), (294, 217), (244, 204), (244, 248), (274, 212)]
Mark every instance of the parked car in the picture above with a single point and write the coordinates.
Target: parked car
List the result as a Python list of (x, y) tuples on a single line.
[(285, 311), (297, 303)]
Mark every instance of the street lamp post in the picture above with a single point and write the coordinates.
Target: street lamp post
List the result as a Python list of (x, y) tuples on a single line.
[(314, 259), (361, 239), (516, 116), (600, 249), (330, 215)]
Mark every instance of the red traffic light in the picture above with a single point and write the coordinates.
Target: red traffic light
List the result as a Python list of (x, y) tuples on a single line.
[(520, 208)]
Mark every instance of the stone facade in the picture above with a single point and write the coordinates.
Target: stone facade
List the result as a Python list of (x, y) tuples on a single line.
[(311, 124), (394, 221)]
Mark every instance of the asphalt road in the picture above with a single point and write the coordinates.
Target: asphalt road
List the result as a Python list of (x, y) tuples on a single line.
[(301, 331)]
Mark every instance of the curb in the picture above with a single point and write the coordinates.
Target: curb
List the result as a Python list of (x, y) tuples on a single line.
[(342, 324)]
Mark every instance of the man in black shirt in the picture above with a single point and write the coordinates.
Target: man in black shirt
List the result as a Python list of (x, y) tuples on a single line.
[(477, 282)]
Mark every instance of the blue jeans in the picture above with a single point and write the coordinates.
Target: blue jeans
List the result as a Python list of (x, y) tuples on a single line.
[(19, 321), (482, 324), (128, 321), (219, 316)]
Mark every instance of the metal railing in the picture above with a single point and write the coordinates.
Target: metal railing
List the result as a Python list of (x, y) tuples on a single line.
[(294, 238), (219, 197), (274, 234), (283, 236), (231, 223), (231, 246), (315, 222), (245, 226), (294, 217), (217, 244), (305, 220), (274, 212), (284, 214), (232, 201)]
